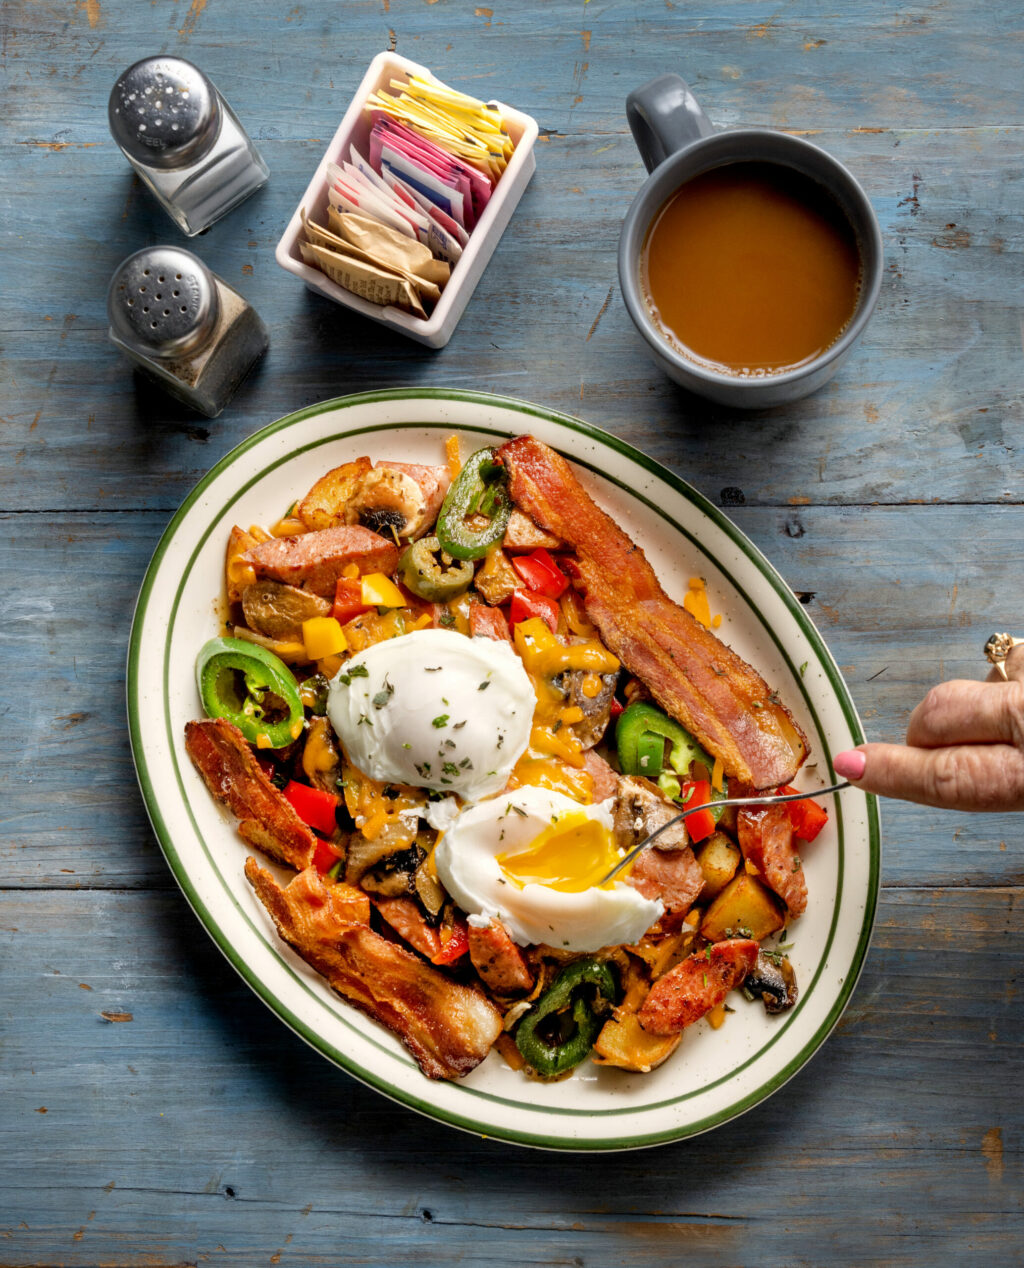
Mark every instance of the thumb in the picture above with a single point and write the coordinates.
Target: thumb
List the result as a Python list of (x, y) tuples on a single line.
[(962, 777)]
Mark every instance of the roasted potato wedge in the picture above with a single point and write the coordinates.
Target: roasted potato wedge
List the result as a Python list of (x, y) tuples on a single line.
[(625, 1044), (745, 908), (324, 505), (718, 858)]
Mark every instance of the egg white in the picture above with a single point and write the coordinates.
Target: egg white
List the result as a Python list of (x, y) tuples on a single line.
[(467, 866), (435, 709)]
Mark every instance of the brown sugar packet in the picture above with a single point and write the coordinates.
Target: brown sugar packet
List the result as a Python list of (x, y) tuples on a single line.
[(365, 280), (319, 236), (389, 246)]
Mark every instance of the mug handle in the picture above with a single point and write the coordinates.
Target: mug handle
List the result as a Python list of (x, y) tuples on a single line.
[(664, 116)]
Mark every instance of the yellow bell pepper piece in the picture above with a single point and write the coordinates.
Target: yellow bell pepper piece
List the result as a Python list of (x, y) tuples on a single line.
[(380, 591), (323, 636)]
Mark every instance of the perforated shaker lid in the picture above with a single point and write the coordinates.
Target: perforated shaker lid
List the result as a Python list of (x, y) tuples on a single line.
[(164, 112), (163, 302)]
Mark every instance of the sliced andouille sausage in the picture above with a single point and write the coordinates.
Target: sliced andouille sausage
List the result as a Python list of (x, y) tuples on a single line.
[(316, 560), (766, 839), (267, 821), (498, 960), (405, 917), (606, 780), (696, 985), (674, 876), (486, 622)]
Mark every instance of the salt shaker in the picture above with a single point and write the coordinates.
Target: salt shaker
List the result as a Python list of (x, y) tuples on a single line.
[(184, 326), (184, 140)]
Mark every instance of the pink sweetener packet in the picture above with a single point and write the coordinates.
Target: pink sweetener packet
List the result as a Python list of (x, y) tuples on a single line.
[(444, 195), (343, 195), (450, 226), (431, 157), (480, 186)]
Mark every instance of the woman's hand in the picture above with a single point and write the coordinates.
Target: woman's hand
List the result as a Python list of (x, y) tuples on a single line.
[(964, 750)]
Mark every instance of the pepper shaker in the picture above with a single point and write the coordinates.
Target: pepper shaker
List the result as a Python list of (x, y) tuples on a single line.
[(184, 326), (184, 141)]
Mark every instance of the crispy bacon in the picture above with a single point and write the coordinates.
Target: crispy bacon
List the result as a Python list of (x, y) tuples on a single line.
[(695, 677), (447, 1027), (696, 985), (267, 821), (498, 960), (765, 835), (315, 561)]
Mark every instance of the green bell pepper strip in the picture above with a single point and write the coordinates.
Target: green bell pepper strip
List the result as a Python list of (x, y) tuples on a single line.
[(640, 737), (246, 704), (574, 994), (481, 488), (432, 578)]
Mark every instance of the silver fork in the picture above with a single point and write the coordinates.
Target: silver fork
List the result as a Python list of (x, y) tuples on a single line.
[(770, 799)]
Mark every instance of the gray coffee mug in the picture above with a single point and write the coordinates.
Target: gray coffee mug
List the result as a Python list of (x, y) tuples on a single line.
[(677, 142)]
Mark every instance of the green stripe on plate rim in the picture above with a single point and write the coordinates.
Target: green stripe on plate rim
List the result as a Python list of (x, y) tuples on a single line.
[(725, 525)]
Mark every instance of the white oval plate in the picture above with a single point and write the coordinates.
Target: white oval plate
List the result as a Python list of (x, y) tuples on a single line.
[(713, 1075)]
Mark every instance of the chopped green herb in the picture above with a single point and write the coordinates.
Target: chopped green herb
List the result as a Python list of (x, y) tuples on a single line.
[(384, 695), (446, 619), (450, 768), (440, 721), (431, 669), (705, 979), (358, 671), (406, 745), (458, 726), (483, 686), (520, 811), (364, 719), (450, 744), (423, 768), (803, 668), (466, 764)]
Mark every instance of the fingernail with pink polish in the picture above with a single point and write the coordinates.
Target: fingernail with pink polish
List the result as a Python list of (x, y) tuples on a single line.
[(850, 765)]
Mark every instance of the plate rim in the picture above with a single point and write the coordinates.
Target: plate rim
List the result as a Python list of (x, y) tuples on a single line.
[(278, 1006)]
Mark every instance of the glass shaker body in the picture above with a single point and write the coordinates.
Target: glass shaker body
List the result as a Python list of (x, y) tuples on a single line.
[(184, 141), (184, 326)]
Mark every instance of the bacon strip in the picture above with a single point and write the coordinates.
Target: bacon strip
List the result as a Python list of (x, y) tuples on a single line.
[(447, 1027), (715, 694), (267, 821), (696, 985), (498, 960)]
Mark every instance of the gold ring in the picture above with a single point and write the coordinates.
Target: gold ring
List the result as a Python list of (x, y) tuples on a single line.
[(998, 648)]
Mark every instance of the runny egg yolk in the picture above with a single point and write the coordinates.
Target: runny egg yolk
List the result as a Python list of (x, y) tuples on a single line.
[(572, 854)]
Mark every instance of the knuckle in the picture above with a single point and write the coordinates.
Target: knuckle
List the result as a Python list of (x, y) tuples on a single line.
[(928, 714), (1012, 698), (951, 778)]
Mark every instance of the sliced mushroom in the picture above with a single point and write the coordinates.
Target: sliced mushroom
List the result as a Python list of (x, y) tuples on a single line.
[(774, 980), (276, 610), (395, 875), (364, 854), (387, 500), (596, 707), (320, 757), (640, 808), (430, 890)]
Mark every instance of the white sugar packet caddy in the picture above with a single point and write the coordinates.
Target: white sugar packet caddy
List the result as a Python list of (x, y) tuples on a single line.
[(438, 328)]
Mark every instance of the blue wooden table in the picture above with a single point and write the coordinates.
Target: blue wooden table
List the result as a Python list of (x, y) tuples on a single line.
[(152, 1111)]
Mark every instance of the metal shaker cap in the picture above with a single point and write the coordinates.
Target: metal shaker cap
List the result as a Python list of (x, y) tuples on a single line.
[(163, 302), (164, 112)]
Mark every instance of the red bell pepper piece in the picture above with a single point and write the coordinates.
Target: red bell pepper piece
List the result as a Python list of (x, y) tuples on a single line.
[(541, 573), (616, 708), (348, 599), (695, 793), (313, 806), (526, 604), (454, 942), (324, 856), (806, 816)]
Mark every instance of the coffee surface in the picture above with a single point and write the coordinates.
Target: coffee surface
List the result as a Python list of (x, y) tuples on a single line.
[(750, 269)]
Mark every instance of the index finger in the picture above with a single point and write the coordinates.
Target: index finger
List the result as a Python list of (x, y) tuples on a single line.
[(987, 777)]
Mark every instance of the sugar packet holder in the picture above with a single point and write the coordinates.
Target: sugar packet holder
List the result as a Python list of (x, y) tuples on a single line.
[(437, 328)]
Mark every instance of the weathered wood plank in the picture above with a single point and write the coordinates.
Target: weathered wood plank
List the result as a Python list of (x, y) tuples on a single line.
[(929, 406), (202, 1127), (927, 65), (898, 612)]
